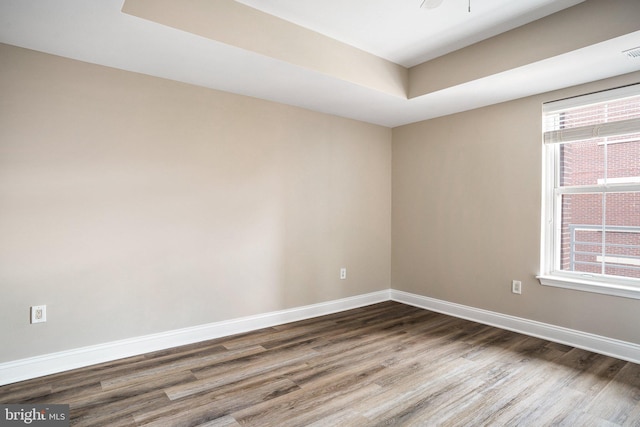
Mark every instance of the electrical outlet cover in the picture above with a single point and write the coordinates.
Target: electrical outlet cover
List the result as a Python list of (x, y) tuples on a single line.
[(38, 313), (516, 287)]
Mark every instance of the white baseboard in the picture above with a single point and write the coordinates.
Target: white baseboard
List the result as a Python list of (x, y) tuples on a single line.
[(595, 343), (47, 364)]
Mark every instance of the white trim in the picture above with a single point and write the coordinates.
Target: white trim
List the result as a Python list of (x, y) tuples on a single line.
[(552, 192), (599, 287), (47, 364), (622, 180), (596, 343), (618, 260)]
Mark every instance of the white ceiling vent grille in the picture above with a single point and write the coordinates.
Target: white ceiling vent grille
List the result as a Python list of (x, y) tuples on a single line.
[(633, 53)]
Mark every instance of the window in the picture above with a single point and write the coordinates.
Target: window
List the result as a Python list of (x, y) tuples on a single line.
[(591, 206)]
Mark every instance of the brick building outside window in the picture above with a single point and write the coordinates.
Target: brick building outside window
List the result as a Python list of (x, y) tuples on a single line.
[(601, 233)]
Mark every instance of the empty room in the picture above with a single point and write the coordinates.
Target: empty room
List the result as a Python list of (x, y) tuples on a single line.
[(336, 213)]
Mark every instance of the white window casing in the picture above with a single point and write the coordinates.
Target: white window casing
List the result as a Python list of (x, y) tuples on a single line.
[(574, 120)]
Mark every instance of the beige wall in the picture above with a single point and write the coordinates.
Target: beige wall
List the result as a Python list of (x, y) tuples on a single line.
[(132, 205), (466, 217)]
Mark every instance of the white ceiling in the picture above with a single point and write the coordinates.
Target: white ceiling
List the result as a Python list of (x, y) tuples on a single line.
[(96, 31), (402, 32)]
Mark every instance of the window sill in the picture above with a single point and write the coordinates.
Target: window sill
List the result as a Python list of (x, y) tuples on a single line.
[(618, 290)]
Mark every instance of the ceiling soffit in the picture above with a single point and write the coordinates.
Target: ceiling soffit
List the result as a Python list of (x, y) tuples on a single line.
[(569, 30), (228, 46), (241, 26), (235, 24)]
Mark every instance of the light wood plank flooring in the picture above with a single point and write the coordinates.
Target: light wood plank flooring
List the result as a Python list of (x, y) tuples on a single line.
[(383, 365)]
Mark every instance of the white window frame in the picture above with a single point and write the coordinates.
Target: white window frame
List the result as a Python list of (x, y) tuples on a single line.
[(550, 273)]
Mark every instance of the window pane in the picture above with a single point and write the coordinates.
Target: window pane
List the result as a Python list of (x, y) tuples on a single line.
[(582, 163), (622, 239), (609, 111), (623, 160), (582, 216)]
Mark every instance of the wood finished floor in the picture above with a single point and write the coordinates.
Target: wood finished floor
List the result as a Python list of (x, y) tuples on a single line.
[(387, 364)]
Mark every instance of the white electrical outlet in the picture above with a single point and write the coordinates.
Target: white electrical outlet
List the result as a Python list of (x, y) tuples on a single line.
[(38, 313), (343, 273), (516, 287)]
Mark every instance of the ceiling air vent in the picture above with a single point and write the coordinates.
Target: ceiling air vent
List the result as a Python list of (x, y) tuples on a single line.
[(633, 53)]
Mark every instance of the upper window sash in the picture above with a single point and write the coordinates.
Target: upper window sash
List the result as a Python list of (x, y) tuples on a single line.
[(599, 115)]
